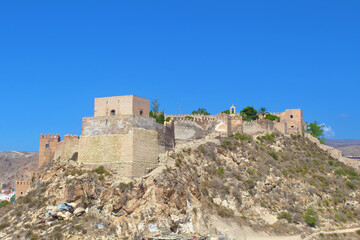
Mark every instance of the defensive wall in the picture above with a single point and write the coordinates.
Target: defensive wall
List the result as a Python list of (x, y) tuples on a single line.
[(51, 147), (194, 126), (122, 135)]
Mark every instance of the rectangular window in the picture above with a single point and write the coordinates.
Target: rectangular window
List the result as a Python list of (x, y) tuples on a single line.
[(47, 146)]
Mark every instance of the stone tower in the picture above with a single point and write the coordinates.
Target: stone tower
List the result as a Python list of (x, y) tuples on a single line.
[(48, 145)]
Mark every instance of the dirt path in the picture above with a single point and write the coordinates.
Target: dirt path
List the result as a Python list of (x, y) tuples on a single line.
[(346, 230)]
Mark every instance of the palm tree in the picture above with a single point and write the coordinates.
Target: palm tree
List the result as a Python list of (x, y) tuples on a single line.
[(263, 111)]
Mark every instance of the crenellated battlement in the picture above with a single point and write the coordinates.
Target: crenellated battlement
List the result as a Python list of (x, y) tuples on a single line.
[(23, 182), (50, 136)]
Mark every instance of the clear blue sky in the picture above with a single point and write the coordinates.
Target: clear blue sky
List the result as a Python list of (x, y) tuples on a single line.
[(57, 56)]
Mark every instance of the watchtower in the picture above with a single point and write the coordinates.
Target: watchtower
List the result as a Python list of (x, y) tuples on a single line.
[(21, 188), (48, 145)]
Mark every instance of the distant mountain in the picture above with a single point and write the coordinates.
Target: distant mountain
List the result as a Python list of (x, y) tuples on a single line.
[(21, 164), (349, 147)]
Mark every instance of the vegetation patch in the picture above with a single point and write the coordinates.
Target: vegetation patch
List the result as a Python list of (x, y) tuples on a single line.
[(285, 215), (273, 155), (310, 217)]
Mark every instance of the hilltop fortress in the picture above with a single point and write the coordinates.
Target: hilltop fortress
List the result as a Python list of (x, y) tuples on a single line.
[(122, 135)]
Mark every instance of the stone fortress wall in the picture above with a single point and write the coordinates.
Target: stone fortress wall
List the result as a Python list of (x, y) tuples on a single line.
[(123, 136), (195, 126)]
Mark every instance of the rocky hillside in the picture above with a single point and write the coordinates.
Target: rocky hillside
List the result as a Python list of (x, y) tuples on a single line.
[(237, 187), (21, 164)]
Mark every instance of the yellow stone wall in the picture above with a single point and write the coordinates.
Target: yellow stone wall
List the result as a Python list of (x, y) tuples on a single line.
[(131, 155), (66, 150), (145, 152), (106, 148)]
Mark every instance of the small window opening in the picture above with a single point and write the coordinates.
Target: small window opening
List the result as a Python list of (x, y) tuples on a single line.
[(292, 126), (21, 193), (291, 116), (112, 112), (141, 112), (47, 146)]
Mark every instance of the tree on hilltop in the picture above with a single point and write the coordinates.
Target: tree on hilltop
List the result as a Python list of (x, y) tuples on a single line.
[(154, 113), (155, 106), (263, 111), (249, 113), (316, 130), (226, 112), (201, 111)]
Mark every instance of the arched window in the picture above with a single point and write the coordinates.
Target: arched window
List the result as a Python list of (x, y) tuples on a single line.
[(112, 112), (291, 116)]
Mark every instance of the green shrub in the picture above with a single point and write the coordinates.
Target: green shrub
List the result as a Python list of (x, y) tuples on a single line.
[(220, 171), (285, 215), (269, 137), (331, 163), (189, 117), (273, 155), (243, 217), (100, 170), (358, 232), (201, 149), (226, 143), (160, 118), (168, 119), (239, 136), (351, 185), (126, 186), (339, 172), (272, 117), (310, 217)]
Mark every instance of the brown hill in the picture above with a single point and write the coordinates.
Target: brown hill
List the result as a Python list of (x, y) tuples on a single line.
[(21, 164), (226, 186)]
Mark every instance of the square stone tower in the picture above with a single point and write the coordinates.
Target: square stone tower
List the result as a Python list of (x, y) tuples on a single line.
[(121, 135), (121, 105), (48, 145)]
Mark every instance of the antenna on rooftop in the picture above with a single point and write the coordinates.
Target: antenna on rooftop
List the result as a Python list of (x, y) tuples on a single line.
[(179, 109)]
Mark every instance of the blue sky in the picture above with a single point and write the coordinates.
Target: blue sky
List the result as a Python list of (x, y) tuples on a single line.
[(57, 56)]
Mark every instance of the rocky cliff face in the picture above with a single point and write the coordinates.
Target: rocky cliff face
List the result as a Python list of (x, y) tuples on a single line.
[(226, 186), (21, 164)]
